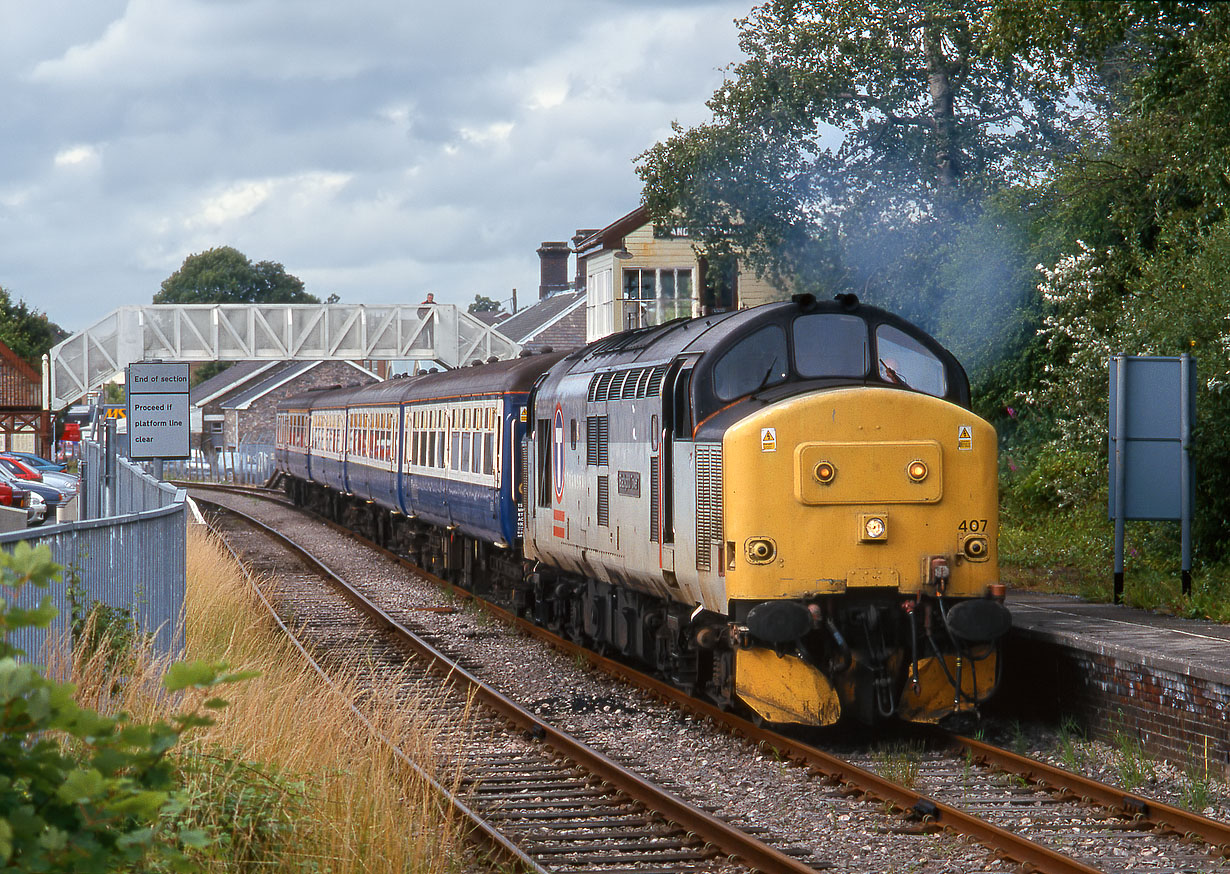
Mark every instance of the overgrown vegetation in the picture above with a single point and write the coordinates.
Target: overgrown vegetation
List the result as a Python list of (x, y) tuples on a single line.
[(82, 789), (128, 763)]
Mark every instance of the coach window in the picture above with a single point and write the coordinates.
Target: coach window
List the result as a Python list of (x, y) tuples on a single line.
[(906, 362), (755, 362), (489, 453)]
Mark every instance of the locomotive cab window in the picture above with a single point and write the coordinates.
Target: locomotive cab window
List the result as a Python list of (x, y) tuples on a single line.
[(904, 361), (830, 344), (755, 362)]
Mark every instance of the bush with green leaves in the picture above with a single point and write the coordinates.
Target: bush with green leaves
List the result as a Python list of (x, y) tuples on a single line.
[(80, 791)]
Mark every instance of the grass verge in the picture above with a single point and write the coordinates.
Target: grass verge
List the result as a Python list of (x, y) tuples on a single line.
[(287, 779)]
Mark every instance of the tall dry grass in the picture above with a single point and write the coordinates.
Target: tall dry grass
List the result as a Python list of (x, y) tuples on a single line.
[(288, 778)]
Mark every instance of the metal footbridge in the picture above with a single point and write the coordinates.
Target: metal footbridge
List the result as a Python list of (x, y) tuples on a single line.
[(288, 332)]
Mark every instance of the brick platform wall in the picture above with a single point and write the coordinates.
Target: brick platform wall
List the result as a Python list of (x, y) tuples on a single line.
[(1180, 719)]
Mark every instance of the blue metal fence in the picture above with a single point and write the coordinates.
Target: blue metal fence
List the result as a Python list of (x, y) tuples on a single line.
[(129, 551)]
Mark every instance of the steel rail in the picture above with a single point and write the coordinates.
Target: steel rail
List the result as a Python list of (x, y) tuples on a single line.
[(1011, 845), (505, 848), (722, 836), (1175, 819)]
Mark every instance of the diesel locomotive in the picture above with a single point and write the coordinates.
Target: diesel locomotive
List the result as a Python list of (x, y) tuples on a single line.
[(789, 508)]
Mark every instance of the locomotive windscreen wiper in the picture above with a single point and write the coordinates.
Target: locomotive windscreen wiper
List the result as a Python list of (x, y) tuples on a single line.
[(892, 375)]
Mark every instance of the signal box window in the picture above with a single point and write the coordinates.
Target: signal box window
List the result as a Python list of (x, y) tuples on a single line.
[(654, 297), (829, 344), (906, 362)]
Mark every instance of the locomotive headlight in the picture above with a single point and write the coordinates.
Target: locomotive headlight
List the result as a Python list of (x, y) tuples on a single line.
[(975, 547), (761, 550), (825, 472), (916, 471), (874, 527)]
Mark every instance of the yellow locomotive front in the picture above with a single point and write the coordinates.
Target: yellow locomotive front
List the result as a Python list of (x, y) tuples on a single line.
[(860, 527), (858, 519)]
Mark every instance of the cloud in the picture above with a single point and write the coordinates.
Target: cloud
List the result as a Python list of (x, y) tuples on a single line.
[(374, 148), (76, 156)]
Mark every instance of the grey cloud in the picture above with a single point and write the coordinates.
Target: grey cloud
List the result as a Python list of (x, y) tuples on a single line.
[(372, 148)]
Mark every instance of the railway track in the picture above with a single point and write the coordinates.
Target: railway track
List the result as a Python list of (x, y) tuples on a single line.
[(541, 797), (1020, 809)]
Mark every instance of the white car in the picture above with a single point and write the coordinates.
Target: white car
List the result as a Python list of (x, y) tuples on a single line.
[(36, 509)]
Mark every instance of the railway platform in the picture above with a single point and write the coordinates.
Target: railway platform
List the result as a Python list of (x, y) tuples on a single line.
[(1162, 679)]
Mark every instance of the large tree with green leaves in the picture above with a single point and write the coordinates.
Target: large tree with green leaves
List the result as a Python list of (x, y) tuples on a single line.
[(26, 331), (856, 140), (1145, 210), (226, 275)]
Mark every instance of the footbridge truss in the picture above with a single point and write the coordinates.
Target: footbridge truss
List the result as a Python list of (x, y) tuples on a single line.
[(299, 332)]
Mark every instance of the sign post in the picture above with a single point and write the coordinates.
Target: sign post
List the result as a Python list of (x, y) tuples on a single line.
[(157, 396), (1152, 408)]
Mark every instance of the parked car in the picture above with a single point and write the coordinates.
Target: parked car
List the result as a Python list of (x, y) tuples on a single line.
[(36, 510), (53, 497), (37, 461), (18, 468), (12, 495), (65, 482)]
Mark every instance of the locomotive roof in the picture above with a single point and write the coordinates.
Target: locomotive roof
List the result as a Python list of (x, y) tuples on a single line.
[(708, 339), (661, 343), (513, 375)]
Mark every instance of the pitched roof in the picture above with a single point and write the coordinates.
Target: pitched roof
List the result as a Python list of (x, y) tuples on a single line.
[(20, 384), (228, 380), (529, 324), (612, 235), (287, 371)]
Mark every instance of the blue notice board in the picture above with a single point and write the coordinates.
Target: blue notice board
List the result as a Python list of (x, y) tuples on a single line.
[(1152, 408)]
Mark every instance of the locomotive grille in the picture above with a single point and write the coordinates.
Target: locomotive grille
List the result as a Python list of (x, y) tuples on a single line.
[(708, 502), (653, 498), (655, 380), (614, 385), (604, 500), (597, 440)]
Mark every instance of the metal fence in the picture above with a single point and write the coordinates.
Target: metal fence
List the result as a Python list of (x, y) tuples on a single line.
[(247, 463), (129, 551)]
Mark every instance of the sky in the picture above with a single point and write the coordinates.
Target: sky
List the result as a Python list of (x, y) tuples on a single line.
[(379, 150)]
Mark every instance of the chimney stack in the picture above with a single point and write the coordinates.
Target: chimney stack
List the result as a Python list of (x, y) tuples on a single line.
[(553, 268)]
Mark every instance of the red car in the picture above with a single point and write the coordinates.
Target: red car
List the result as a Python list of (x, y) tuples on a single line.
[(11, 497), (20, 469)]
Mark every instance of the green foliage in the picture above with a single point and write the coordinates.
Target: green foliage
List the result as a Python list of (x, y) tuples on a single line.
[(27, 332), (485, 305), (80, 791), (225, 275), (209, 370), (860, 147), (250, 807)]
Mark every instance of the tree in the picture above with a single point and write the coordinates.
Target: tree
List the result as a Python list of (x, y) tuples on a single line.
[(225, 275), (27, 332), (485, 305), (1145, 210), (853, 132)]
